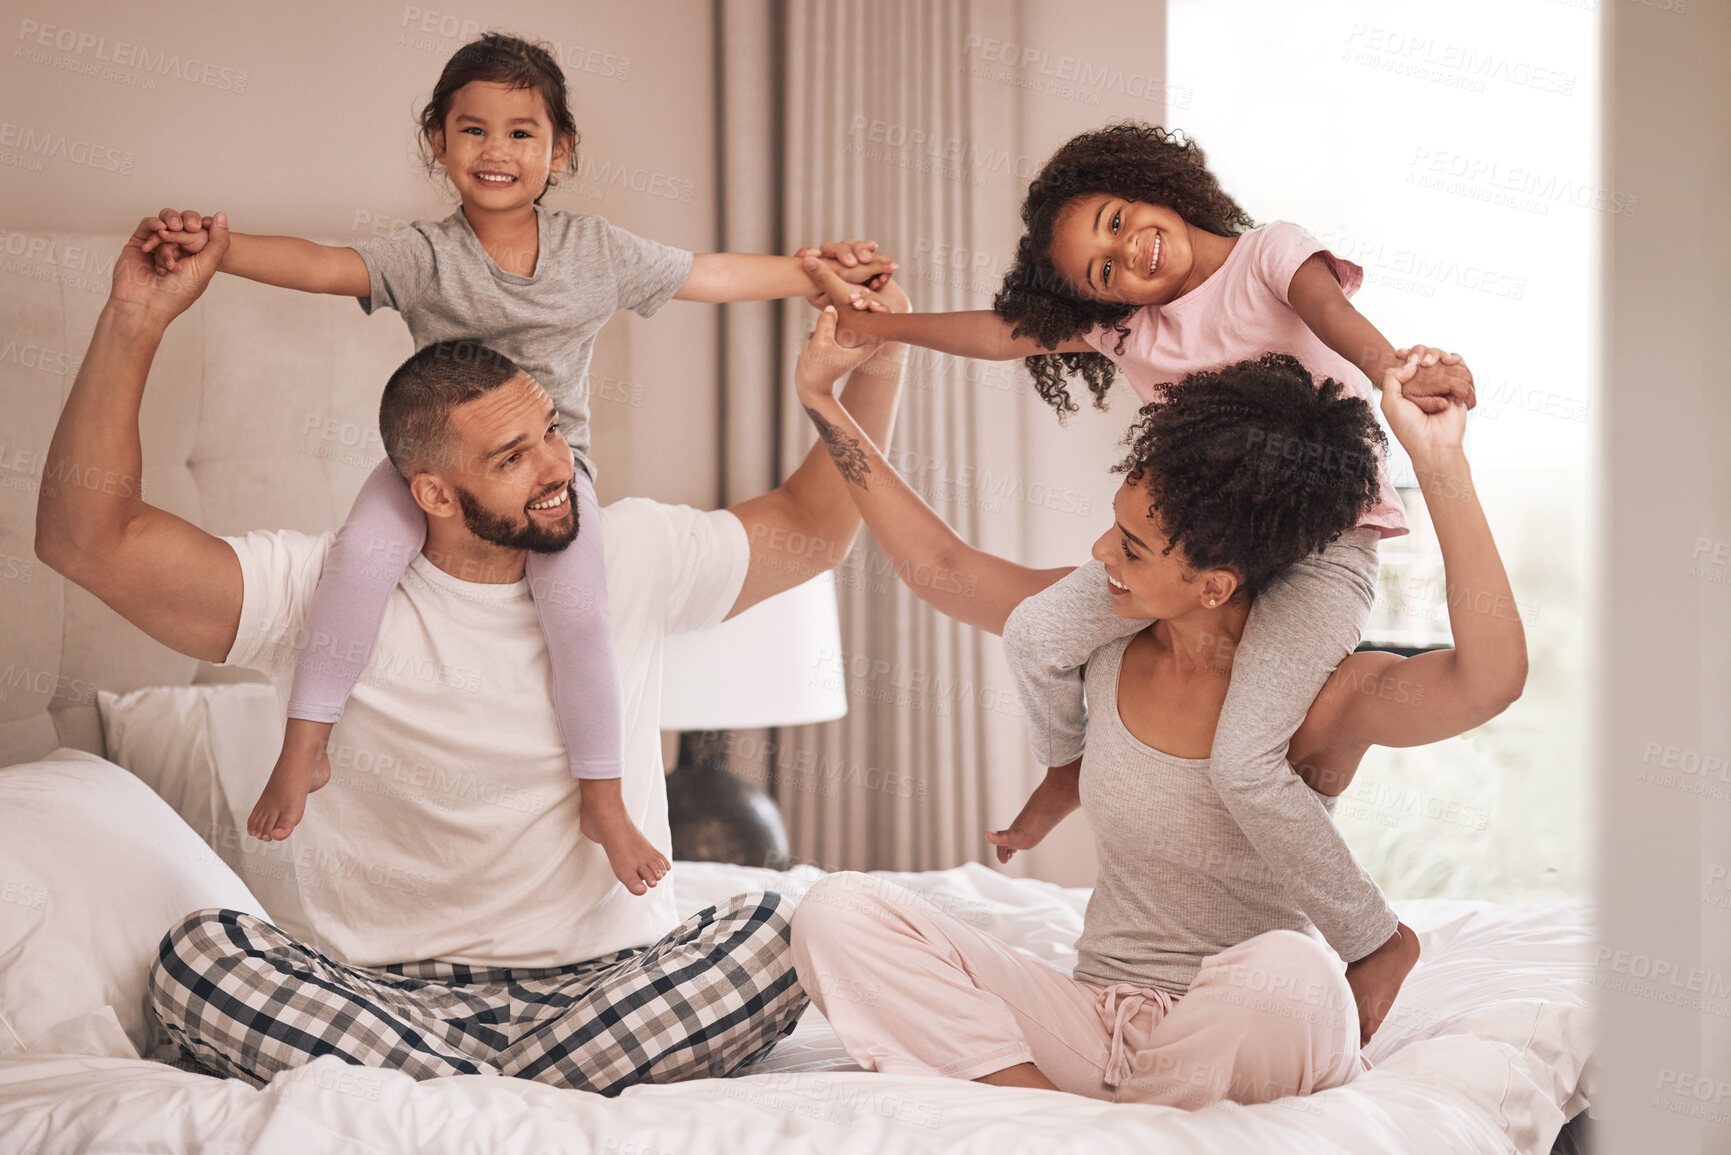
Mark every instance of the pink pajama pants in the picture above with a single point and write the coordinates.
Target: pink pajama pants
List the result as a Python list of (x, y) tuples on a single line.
[(912, 990)]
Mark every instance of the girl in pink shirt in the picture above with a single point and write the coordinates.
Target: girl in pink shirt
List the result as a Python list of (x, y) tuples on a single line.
[(1135, 260)]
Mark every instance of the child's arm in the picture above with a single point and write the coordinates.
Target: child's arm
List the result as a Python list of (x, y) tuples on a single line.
[(1317, 298), (721, 277), (1057, 796), (293, 263), (287, 262), (980, 334)]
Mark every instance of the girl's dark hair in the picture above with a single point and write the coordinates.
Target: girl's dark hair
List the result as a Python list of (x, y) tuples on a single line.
[(1133, 160), (1254, 466), (500, 58)]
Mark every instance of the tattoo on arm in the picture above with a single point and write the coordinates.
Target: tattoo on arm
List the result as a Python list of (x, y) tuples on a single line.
[(849, 458)]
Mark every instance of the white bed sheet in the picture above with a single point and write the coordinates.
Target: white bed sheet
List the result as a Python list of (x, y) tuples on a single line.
[(1485, 1052)]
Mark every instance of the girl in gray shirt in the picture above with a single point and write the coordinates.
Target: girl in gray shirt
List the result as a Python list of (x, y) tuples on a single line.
[(506, 277)]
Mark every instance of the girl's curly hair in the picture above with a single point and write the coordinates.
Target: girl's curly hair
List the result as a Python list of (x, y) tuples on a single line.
[(500, 58), (1133, 160), (1254, 466)]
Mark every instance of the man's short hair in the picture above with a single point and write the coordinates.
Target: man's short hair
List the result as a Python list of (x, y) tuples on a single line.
[(415, 412)]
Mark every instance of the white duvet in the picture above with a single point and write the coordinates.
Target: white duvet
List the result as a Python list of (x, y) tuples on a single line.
[(1485, 1052)]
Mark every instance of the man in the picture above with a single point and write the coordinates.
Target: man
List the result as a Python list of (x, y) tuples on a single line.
[(462, 924)]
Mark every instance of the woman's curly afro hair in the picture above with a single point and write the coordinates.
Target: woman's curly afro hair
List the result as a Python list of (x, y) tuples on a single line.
[(1254, 466), (1133, 160)]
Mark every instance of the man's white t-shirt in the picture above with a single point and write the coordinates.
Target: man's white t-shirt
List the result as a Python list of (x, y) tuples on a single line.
[(449, 827)]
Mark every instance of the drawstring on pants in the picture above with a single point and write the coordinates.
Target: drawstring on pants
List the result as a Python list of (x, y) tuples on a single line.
[(1120, 1004)]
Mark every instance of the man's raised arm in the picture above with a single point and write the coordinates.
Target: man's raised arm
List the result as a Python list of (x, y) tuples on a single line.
[(163, 574), (807, 524)]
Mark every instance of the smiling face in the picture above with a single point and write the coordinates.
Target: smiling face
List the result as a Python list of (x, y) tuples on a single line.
[(514, 473), (1144, 580), (1132, 252), (499, 146)]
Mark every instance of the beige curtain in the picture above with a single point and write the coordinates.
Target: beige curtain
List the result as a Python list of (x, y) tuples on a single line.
[(917, 123), (885, 137)]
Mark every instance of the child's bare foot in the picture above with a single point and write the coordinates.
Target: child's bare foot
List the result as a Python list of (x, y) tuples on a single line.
[(634, 859), (302, 767), (1376, 978)]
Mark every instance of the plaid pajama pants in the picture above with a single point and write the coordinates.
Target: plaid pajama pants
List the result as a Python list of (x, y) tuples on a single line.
[(244, 999)]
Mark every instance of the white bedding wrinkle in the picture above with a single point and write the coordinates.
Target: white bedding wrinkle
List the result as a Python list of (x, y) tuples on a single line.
[(1484, 1050)]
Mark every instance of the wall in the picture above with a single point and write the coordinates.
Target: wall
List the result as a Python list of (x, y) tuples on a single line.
[(298, 118), (1663, 967), (1450, 151)]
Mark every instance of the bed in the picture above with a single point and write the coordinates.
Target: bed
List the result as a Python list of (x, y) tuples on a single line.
[(1487, 1050), (252, 419)]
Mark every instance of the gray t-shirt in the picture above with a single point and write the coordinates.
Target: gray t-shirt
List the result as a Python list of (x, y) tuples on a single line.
[(437, 275), (1178, 880), (1310, 609)]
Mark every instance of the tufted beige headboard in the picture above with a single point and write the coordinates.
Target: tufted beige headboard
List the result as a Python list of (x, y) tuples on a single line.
[(261, 413)]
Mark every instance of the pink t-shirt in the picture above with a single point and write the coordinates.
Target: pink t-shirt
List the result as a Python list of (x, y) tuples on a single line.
[(1238, 314)]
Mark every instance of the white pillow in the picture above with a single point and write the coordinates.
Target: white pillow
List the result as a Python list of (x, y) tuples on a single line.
[(207, 751), (94, 870), (161, 734)]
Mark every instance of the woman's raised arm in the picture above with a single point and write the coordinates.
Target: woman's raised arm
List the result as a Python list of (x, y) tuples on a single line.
[(968, 584), (1412, 701)]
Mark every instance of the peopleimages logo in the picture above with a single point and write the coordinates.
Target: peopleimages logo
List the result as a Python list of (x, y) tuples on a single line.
[(432, 31), (82, 48), (1453, 65), (1512, 186), (22, 143), (884, 140), (1069, 77)]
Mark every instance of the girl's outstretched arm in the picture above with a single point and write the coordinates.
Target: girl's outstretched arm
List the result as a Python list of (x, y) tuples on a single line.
[(721, 277), (968, 584), (1318, 300), (980, 334), (287, 262), (1413, 701)]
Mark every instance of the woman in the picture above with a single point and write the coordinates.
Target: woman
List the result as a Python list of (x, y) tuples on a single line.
[(1195, 981)]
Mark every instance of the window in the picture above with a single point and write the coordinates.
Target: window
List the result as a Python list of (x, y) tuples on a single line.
[(1451, 151)]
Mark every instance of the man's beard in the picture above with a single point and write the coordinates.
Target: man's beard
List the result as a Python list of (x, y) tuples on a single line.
[(530, 535)]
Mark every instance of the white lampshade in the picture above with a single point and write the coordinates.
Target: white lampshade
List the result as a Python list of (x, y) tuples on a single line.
[(777, 664)]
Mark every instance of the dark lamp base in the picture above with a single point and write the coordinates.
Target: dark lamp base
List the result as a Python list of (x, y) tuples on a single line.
[(716, 816)]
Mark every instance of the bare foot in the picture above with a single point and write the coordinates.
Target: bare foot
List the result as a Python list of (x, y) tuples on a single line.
[(302, 767), (1376, 978), (634, 859)]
